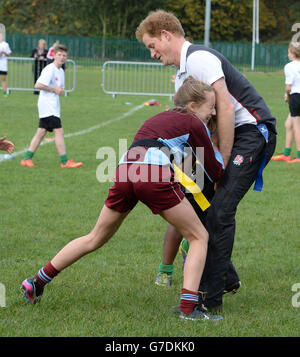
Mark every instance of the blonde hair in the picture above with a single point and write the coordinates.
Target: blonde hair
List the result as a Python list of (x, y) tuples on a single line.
[(294, 48), (156, 21), (42, 42), (193, 90)]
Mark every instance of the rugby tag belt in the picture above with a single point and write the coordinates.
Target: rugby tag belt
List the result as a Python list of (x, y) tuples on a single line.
[(192, 187), (180, 176), (259, 176)]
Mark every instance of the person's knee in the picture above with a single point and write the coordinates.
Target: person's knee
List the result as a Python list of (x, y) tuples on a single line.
[(41, 132), (59, 132), (288, 123), (200, 236), (205, 236)]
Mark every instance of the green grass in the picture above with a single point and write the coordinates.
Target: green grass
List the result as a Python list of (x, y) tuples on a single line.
[(111, 292)]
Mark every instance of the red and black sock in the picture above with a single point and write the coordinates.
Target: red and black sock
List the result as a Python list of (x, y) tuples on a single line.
[(46, 274), (188, 300)]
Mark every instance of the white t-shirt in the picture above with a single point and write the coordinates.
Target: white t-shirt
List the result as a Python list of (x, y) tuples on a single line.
[(48, 103), (4, 46), (292, 76), (206, 67)]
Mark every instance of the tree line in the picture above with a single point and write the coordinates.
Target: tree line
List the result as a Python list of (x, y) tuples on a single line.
[(231, 20)]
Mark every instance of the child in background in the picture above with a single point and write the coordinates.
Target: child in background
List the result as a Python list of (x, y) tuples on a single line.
[(5, 52), (292, 96), (51, 85), (50, 53)]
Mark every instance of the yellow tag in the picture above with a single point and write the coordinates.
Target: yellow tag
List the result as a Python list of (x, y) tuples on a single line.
[(192, 187)]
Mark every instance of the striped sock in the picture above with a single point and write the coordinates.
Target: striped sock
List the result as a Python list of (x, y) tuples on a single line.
[(46, 274), (188, 301)]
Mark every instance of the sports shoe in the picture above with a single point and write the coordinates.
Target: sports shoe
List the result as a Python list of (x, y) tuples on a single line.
[(163, 279), (183, 251), (201, 307), (28, 163), (32, 291), (281, 157), (71, 164), (294, 161), (198, 314), (233, 288)]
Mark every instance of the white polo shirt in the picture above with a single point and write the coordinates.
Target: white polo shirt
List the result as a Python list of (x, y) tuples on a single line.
[(292, 76), (202, 65), (4, 46), (48, 103)]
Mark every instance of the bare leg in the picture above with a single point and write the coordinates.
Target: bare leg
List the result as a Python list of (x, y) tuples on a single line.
[(60, 141), (289, 135), (108, 223), (4, 83), (186, 221), (36, 140), (296, 127), (172, 241)]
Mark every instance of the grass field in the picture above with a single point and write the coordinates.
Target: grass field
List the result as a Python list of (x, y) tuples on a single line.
[(111, 292)]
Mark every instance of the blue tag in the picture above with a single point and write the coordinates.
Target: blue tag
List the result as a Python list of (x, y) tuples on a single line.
[(259, 176), (264, 130)]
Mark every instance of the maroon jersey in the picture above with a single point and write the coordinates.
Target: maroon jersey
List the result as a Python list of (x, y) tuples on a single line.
[(181, 129)]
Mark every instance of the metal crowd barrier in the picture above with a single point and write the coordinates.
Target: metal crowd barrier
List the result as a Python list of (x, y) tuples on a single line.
[(138, 78), (22, 73)]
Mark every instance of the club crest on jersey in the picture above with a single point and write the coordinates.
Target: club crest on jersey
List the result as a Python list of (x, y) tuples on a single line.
[(238, 160)]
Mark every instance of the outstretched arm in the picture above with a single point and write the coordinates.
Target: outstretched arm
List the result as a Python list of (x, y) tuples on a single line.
[(6, 145)]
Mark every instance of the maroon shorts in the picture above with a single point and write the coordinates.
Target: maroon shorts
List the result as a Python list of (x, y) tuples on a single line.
[(153, 185)]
